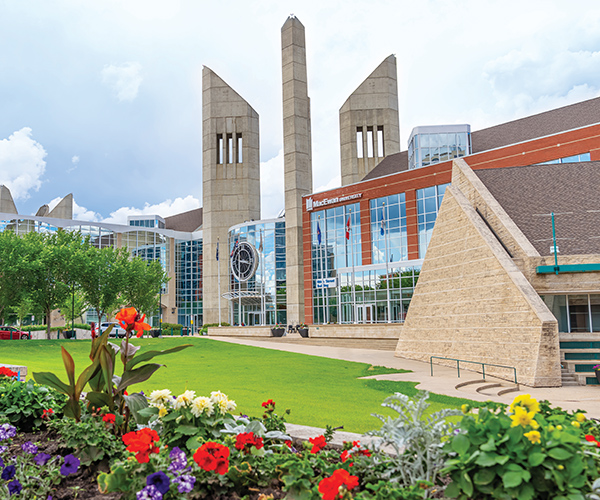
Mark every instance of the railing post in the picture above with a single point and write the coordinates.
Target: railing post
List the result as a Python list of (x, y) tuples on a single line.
[(458, 367), (483, 370), (431, 364)]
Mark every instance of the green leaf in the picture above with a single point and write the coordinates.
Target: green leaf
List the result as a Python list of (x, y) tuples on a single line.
[(48, 378), (559, 453), (69, 365), (527, 492), (536, 459), (487, 459), (86, 375), (147, 356), (98, 399), (136, 376), (452, 490), (194, 443), (484, 476), (137, 402), (148, 411), (466, 484), (187, 430), (511, 479), (461, 444), (489, 446)]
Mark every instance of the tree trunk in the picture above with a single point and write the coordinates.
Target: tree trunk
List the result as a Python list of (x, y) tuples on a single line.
[(48, 313)]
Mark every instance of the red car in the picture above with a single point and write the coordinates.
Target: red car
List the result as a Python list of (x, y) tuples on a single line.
[(12, 333)]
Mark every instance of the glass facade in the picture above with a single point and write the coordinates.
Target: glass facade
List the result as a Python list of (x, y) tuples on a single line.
[(428, 205), (388, 229), (569, 159), (435, 144), (577, 313), (188, 281), (262, 298)]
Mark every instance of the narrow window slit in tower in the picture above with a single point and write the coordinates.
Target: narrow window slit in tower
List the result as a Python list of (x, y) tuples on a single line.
[(220, 149), (240, 158), (380, 150), (370, 142), (359, 142), (229, 148)]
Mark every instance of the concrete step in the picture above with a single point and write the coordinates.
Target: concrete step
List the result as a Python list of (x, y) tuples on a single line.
[(375, 344)]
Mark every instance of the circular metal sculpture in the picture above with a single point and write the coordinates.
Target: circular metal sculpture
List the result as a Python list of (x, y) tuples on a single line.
[(244, 260)]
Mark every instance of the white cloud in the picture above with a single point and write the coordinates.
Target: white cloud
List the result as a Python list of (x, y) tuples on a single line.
[(79, 212), (164, 209), (21, 163), (75, 160), (124, 80)]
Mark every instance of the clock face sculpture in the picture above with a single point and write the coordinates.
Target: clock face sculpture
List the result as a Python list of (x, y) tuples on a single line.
[(244, 260)]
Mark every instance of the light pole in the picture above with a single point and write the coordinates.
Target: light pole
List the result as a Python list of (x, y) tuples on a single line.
[(160, 310)]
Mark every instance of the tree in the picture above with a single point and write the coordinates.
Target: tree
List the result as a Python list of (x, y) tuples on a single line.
[(68, 311), (14, 271), (142, 283), (55, 261), (102, 278)]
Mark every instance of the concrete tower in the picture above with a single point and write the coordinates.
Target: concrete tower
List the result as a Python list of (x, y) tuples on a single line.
[(369, 125), (297, 159), (64, 209), (230, 181), (7, 205)]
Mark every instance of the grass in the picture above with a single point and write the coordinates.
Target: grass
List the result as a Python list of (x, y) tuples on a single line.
[(319, 391)]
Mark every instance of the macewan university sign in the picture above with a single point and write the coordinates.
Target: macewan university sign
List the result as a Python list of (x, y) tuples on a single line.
[(312, 204)]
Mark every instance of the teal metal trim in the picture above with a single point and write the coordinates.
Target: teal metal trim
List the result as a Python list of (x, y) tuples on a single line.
[(568, 268)]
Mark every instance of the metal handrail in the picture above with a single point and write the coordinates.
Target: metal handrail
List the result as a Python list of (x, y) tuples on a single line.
[(483, 365)]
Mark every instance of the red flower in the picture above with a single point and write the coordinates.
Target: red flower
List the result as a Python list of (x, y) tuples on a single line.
[(47, 413), (130, 319), (7, 372), (268, 403), (329, 487), (355, 450), (141, 443), (592, 439), (288, 443), (246, 440), (109, 418), (213, 456), (318, 444)]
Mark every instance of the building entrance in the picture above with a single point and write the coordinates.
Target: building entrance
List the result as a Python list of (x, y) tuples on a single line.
[(365, 313)]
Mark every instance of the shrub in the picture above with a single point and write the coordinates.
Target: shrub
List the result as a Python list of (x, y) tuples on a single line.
[(525, 452), (23, 403)]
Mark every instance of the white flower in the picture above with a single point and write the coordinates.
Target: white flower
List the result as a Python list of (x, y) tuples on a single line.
[(160, 398), (231, 406), (217, 396), (200, 404), (222, 404), (184, 399)]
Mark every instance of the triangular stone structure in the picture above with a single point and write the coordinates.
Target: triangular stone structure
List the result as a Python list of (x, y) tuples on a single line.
[(64, 209), (7, 205)]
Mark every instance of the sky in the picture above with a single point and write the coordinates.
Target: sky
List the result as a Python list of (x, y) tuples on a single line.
[(103, 99)]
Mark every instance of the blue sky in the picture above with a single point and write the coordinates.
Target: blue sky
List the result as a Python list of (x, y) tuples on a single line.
[(103, 99)]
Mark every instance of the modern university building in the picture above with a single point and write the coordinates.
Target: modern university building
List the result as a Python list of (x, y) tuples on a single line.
[(482, 245)]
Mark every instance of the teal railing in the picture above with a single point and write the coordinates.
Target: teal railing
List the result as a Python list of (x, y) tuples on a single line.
[(483, 365)]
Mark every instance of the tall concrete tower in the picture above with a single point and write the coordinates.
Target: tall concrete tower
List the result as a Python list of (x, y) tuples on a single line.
[(297, 159), (369, 124), (230, 181)]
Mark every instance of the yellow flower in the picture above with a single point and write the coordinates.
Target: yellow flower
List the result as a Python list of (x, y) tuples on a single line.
[(574, 423), (526, 401), (523, 417), (551, 428), (162, 412), (465, 408), (580, 417), (533, 436), (559, 427), (560, 467)]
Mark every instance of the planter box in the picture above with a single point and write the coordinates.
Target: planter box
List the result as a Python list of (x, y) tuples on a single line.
[(277, 332), (303, 332)]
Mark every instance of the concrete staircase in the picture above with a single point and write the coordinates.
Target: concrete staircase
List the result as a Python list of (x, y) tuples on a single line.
[(376, 344), (578, 357), (490, 387)]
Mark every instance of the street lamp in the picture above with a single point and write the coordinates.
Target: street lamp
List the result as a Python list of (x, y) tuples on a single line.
[(160, 310)]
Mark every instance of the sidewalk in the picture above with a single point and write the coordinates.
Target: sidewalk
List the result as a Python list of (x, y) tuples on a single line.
[(444, 380)]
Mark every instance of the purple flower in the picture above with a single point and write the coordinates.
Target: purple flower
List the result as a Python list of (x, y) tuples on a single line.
[(7, 431), (160, 480), (178, 459), (3, 449), (29, 447), (70, 466), (149, 493), (14, 487), (8, 473), (41, 458), (185, 483)]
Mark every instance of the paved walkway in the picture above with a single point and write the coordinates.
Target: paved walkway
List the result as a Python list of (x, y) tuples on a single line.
[(444, 380)]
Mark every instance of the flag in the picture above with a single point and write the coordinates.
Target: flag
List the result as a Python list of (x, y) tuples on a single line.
[(217, 251), (348, 228), (234, 247), (392, 258), (382, 224), (260, 247), (318, 234)]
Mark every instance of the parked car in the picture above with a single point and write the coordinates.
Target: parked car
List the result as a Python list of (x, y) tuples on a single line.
[(12, 333), (117, 330)]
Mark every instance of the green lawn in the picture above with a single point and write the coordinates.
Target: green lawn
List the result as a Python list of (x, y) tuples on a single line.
[(319, 391)]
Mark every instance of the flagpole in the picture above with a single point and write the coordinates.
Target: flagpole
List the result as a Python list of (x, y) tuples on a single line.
[(387, 271), (326, 290), (319, 265), (262, 281), (219, 280)]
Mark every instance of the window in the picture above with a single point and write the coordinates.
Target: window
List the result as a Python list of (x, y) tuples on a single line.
[(370, 143), (359, 142), (220, 149), (240, 158), (229, 148), (428, 205), (380, 150)]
